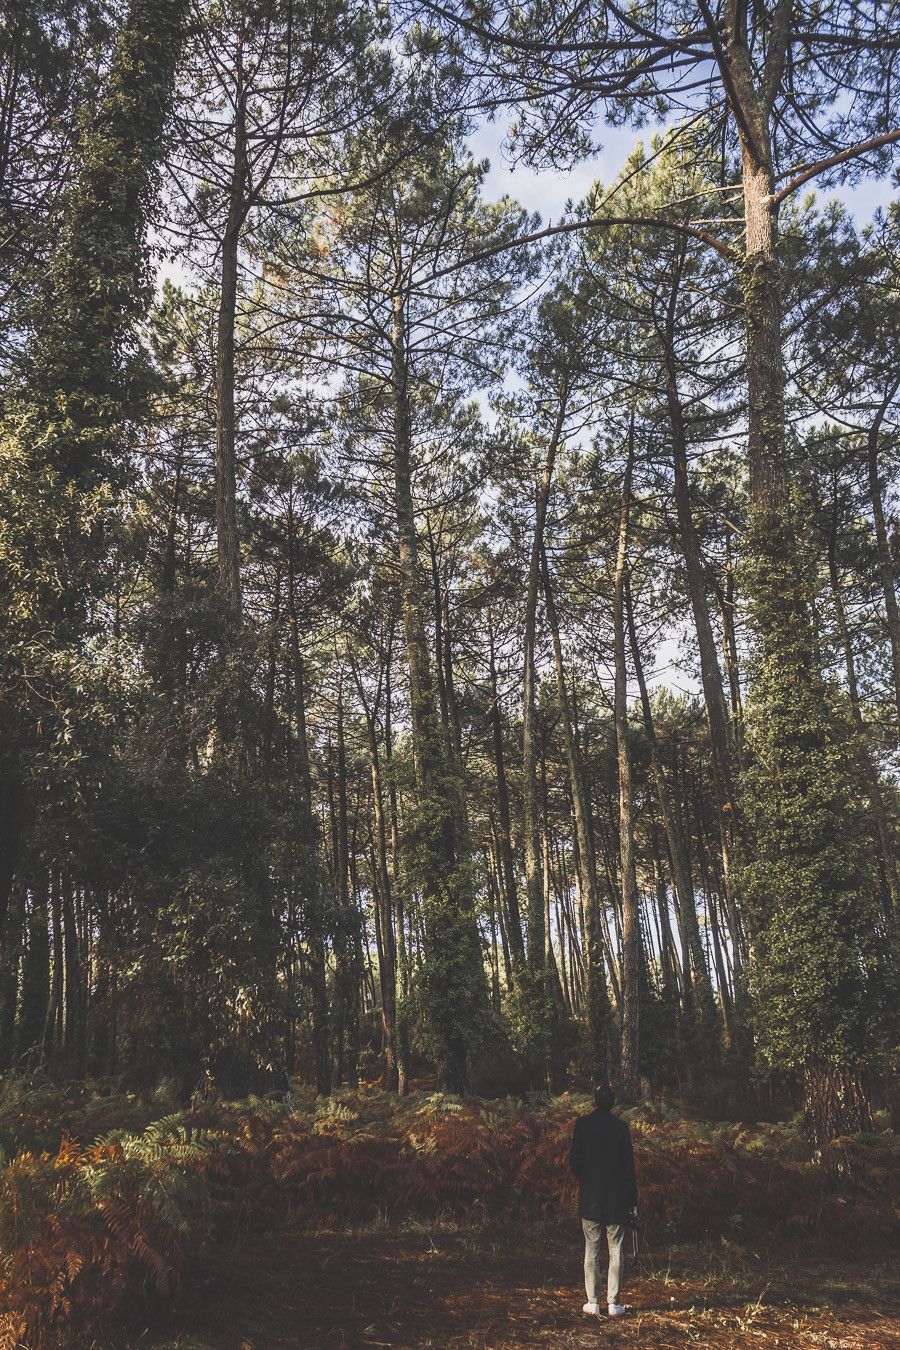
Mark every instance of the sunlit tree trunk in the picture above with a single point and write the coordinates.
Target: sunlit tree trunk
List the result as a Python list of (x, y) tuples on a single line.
[(397, 882), (387, 949), (54, 1018), (348, 974)]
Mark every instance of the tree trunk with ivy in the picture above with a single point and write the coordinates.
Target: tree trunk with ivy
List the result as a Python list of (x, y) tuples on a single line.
[(809, 891), (66, 422), (882, 543)]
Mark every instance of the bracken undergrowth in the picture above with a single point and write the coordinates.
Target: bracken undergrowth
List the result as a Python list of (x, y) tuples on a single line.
[(96, 1235)]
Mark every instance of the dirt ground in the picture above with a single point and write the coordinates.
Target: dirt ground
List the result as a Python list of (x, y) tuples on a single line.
[(298, 1290)]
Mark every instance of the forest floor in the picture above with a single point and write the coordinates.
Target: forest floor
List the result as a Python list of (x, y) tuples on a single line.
[(449, 1285)]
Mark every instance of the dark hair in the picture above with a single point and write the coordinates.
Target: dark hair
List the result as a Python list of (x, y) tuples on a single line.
[(603, 1096)]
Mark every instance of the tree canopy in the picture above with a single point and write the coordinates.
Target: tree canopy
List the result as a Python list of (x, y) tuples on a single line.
[(436, 640)]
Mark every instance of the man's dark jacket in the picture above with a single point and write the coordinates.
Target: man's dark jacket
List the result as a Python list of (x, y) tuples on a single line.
[(602, 1159)]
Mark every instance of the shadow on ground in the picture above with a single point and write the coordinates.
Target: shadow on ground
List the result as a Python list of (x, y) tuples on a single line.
[(293, 1290)]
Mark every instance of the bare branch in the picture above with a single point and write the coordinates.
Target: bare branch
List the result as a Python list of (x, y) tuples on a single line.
[(574, 226), (821, 165)]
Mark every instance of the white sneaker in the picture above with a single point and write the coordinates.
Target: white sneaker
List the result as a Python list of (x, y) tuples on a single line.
[(616, 1310), (593, 1308)]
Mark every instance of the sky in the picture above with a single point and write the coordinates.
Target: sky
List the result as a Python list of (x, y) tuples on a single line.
[(548, 190)]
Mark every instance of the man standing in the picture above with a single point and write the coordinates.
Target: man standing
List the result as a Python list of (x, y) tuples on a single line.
[(602, 1159)]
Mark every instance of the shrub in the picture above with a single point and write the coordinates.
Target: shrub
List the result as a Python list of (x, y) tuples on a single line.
[(90, 1233)]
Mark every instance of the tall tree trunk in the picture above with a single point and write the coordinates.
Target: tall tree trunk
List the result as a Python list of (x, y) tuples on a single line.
[(167, 657), (801, 782), (72, 1025), (494, 906), (449, 705), (710, 674), (387, 954), (308, 866), (269, 719), (397, 882), (497, 871), (725, 1001), (729, 649), (100, 979), (437, 608), (53, 1022), (556, 1068), (596, 991), (671, 966), (348, 975), (504, 832), (534, 881), (631, 956), (455, 985), (227, 537)]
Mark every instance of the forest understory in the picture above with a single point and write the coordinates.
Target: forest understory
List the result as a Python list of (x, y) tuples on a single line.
[(372, 1220)]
